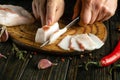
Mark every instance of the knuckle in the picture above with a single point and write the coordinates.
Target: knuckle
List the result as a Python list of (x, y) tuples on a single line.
[(109, 11), (98, 6), (89, 1), (49, 4), (105, 9)]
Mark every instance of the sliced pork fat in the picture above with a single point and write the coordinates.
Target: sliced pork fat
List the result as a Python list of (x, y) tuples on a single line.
[(81, 42), (56, 35), (85, 41), (14, 15), (43, 34), (65, 43), (97, 41), (74, 45)]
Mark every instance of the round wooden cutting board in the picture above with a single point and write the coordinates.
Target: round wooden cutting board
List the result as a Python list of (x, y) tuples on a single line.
[(24, 36)]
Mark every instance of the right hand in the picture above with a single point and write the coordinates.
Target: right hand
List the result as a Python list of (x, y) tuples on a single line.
[(48, 11), (94, 10)]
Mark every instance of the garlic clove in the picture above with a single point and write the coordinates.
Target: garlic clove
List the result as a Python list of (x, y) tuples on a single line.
[(2, 56), (44, 63), (3, 34)]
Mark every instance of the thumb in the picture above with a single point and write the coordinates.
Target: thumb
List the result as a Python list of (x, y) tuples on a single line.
[(50, 13), (77, 9)]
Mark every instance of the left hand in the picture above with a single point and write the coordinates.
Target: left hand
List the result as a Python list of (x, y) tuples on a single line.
[(48, 11)]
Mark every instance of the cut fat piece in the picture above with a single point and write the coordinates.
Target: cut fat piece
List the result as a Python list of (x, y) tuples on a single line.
[(43, 34), (74, 45), (56, 35), (97, 41), (81, 42), (11, 15), (65, 43), (86, 41), (39, 37)]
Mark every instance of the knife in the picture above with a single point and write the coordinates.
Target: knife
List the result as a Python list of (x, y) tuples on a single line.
[(67, 26)]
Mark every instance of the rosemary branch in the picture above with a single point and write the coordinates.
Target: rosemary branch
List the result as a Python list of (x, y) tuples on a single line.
[(19, 53)]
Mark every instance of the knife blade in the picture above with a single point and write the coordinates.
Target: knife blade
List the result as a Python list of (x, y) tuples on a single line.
[(67, 26)]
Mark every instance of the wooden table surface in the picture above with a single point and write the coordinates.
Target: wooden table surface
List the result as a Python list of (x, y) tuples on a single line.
[(68, 68)]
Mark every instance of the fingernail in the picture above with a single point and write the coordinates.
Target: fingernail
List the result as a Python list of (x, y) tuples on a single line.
[(81, 23), (73, 17), (49, 22)]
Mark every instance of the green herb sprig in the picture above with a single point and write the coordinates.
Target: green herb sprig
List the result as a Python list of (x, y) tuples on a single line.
[(19, 53)]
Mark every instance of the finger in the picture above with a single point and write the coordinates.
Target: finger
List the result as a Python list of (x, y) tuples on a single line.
[(42, 11), (76, 11), (108, 16), (59, 12), (39, 5), (102, 13), (85, 14), (94, 11), (50, 14), (34, 9), (42, 17)]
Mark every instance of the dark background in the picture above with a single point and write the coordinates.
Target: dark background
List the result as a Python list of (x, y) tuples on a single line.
[(27, 4)]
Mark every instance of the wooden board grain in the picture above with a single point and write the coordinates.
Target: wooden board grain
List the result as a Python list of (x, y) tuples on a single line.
[(24, 35)]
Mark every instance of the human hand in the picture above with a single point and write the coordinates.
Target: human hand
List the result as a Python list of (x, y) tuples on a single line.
[(48, 11), (94, 10)]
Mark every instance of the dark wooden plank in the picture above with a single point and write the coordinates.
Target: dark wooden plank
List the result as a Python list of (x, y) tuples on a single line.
[(12, 68), (114, 39), (57, 72), (115, 35), (31, 72), (115, 71), (117, 74), (20, 70), (4, 49), (73, 67)]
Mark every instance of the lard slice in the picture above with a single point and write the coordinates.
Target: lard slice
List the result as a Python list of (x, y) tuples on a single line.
[(86, 41), (74, 45), (65, 43), (97, 41)]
